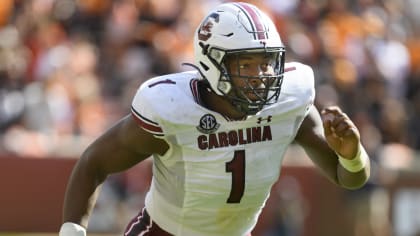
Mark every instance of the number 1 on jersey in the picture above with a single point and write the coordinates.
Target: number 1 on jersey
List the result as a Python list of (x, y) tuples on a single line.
[(237, 167)]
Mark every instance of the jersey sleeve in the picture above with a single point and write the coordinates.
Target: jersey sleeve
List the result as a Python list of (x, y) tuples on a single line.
[(308, 75), (143, 112), (299, 87)]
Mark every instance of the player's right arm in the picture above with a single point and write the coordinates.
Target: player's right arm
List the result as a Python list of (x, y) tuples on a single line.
[(118, 149)]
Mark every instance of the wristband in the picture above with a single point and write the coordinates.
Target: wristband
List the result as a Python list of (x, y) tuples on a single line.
[(72, 229), (357, 163)]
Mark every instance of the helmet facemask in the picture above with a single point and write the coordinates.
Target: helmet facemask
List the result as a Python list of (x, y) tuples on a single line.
[(248, 88)]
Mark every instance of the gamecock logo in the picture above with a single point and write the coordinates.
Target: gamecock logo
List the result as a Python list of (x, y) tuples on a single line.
[(204, 33)]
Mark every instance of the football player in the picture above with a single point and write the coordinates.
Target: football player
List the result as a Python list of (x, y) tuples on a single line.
[(217, 134)]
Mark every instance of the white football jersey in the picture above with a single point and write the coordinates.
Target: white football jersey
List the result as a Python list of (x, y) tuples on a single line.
[(217, 174)]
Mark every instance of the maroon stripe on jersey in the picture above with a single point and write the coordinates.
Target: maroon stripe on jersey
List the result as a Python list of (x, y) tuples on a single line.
[(194, 90), (146, 124), (254, 19), (289, 69), (167, 81)]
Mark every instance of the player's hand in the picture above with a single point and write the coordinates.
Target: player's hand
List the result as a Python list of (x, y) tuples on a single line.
[(340, 132)]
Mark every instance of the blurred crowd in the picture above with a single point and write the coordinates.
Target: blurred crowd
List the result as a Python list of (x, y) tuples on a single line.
[(69, 68)]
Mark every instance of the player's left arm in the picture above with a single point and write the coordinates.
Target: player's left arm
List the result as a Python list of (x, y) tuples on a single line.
[(332, 141)]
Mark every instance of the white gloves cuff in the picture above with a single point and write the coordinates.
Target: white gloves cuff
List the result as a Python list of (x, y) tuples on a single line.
[(72, 229)]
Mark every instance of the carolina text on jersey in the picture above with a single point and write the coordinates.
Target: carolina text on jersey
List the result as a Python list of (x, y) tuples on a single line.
[(234, 137)]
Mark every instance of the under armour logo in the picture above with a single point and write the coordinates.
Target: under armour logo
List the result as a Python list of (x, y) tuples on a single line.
[(260, 119)]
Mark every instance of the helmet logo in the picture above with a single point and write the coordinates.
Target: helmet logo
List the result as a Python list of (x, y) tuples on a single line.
[(204, 33)]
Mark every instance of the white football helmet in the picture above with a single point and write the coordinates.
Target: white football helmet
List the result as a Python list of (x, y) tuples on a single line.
[(234, 29)]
